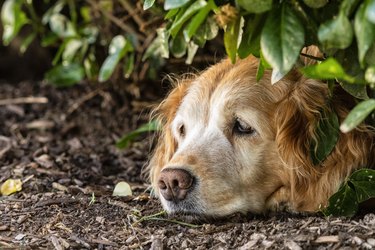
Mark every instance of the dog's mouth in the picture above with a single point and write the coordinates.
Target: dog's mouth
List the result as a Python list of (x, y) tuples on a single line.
[(187, 207)]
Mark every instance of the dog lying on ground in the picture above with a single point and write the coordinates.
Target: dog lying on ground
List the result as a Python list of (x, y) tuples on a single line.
[(232, 144)]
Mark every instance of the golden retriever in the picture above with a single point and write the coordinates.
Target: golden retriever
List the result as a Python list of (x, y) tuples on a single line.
[(232, 144)]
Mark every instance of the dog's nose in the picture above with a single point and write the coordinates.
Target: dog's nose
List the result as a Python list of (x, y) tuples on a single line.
[(175, 183)]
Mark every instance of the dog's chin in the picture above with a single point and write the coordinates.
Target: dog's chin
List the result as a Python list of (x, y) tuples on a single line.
[(192, 212)]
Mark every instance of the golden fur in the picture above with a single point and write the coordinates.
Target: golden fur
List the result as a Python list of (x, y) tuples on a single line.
[(270, 170)]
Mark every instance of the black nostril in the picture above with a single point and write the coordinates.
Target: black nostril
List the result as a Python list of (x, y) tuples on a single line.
[(162, 185), (175, 183)]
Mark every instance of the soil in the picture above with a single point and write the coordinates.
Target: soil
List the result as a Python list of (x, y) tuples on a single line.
[(64, 152)]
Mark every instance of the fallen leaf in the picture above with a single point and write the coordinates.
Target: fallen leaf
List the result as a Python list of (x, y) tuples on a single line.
[(122, 189), (11, 186)]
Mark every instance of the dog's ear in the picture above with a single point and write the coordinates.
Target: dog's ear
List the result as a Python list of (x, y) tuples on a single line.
[(296, 119), (164, 114)]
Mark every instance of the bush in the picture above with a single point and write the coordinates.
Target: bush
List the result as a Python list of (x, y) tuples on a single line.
[(274, 31)]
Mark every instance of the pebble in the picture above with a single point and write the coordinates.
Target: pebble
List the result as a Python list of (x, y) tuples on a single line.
[(371, 241), (366, 246), (357, 240), (292, 245)]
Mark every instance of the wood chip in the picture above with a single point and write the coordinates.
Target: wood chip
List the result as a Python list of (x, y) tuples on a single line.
[(44, 161), (59, 187), (327, 239), (292, 245), (40, 124), (249, 245)]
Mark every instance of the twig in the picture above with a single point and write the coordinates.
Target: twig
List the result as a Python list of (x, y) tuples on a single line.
[(155, 217), (81, 101), (24, 100), (132, 12), (312, 57), (116, 21), (176, 222)]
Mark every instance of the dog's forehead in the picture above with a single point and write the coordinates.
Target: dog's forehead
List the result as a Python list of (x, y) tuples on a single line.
[(205, 93)]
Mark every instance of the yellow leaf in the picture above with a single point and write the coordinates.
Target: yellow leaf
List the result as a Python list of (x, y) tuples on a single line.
[(11, 186), (122, 189)]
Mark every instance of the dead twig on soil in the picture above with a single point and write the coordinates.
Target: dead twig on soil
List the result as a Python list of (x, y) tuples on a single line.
[(24, 100), (156, 217)]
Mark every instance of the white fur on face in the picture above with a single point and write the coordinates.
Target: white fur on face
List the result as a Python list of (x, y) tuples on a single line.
[(227, 167)]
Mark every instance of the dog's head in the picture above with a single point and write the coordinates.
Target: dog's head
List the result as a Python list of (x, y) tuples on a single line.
[(232, 144)]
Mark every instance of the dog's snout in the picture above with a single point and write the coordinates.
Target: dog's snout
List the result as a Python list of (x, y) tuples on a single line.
[(174, 184)]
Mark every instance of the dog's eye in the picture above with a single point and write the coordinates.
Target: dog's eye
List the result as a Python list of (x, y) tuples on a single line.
[(242, 128), (181, 130)]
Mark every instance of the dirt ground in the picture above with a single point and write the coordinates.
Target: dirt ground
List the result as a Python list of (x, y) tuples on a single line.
[(64, 152)]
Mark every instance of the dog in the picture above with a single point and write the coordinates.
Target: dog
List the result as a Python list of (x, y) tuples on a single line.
[(231, 144)]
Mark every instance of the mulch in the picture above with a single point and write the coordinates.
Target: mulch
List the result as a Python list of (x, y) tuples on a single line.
[(61, 144)]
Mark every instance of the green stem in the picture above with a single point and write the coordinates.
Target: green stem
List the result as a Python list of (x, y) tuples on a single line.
[(36, 23)]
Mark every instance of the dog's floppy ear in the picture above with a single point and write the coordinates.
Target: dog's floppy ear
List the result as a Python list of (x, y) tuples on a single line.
[(296, 119), (165, 114)]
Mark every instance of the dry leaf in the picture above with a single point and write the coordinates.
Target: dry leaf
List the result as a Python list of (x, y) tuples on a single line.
[(122, 189), (11, 186)]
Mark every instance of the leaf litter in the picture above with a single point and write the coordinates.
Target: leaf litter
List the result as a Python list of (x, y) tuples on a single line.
[(70, 170)]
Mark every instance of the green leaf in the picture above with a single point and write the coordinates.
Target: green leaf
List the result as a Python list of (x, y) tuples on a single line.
[(282, 39), (370, 11), (315, 3), (250, 43), (192, 50), (56, 8), (363, 181), (327, 134), (336, 33), (171, 13), (365, 32), (348, 6), (255, 6), (327, 70), (357, 115), (148, 4), (342, 203), (129, 65), (70, 50), (231, 37), (178, 46), (173, 4), (90, 65), (118, 47), (357, 90), (12, 19), (262, 66), (370, 75), (62, 26), (185, 16), (26, 42), (125, 141), (197, 20), (65, 75), (159, 47), (209, 29)]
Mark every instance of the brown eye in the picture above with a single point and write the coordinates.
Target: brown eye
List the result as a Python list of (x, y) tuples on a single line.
[(242, 128), (181, 130)]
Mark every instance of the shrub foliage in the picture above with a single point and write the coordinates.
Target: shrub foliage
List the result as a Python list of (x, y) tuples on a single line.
[(274, 31)]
